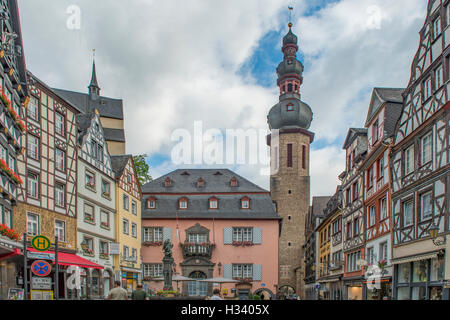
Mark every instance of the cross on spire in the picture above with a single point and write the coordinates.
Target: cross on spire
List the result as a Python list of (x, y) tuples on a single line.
[(291, 8)]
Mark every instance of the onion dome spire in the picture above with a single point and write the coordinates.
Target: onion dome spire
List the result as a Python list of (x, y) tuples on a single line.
[(290, 112)]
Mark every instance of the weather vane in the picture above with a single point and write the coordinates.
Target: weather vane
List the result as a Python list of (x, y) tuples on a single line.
[(290, 15), (93, 53)]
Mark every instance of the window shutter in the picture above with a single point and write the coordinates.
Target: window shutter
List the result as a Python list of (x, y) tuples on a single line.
[(257, 272), (228, 271), (227, 235), (167, 234), (257, 235)]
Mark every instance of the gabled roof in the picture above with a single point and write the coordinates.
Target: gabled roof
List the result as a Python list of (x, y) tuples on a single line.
[(352, 134), (381, 96), (84, 122), (319, 204), (108, 107), (118, 163), (216, 181)]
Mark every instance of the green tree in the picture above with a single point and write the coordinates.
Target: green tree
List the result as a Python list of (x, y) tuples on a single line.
[(142, 169)]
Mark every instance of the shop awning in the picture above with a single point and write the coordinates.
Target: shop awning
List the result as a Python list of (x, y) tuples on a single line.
[(71, 259), (415, 258), (13, 253)]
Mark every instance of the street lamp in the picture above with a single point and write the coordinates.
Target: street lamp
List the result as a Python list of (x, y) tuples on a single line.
[(433, 231)]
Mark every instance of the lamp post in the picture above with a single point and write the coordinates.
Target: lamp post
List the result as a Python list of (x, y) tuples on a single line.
[(433, 231)]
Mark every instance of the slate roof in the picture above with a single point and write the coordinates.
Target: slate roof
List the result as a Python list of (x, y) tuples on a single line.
[(114, 134), (319, 204), (390, 96), (84, 122), (107, 107), (216, 181), (352, 134), (215, 185), (118, 164)]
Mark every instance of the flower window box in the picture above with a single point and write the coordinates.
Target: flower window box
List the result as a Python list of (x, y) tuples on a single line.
[(4, 168), (104, 256), (152, 243), (105, 225), (89, 252), (89, 219), (9, 233)]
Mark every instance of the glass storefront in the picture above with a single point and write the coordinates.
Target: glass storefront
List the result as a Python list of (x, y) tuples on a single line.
[(381, 291), (420, 280), (355, 293)]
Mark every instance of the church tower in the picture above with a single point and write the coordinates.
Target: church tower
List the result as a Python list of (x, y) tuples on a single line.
[(289, 142)]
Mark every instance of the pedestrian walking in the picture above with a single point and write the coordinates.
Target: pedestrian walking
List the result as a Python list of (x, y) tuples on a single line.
[(139, 293), (216, 295), (118, 293)]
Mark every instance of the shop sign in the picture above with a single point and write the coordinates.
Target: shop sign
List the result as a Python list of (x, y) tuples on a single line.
[(41, 283), (41, 243), (114, 248), (41, 256)]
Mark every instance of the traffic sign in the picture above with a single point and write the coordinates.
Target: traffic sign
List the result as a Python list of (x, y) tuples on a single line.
[(41, 268), (41, 243), (41, 283), (41, 256)]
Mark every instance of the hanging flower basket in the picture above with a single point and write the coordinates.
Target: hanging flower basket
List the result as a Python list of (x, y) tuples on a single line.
[(382, 264), (248, 243), (237, 243)]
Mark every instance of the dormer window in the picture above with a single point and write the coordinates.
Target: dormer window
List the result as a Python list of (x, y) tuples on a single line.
[(213, 203), (151, 203), (185, 173), (290, 107), (234, 182), (200, 183), (183, 203), (375, 132), (245, 203), (168, 183)]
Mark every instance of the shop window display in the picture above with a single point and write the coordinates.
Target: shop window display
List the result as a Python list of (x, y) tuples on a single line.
[(437, 269), (403, 293), (404, 271), (420, 271), (419, 293)]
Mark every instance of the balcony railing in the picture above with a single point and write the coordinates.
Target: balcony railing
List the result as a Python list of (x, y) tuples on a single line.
[(197, 249)]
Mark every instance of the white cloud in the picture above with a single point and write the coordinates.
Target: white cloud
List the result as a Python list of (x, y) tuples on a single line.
[(175, 62)]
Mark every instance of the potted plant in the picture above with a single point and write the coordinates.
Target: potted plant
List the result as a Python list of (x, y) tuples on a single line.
[(10, 233)]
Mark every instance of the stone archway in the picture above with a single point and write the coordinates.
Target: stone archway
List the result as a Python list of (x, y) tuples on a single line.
[(198, 265), (264, 293), (286, 292)]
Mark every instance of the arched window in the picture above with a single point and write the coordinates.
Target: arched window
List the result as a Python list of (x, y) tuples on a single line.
[(290, 87), (183, 203), (168, 182), (234, 182), (200, 183), (197, 288), (290, 107)]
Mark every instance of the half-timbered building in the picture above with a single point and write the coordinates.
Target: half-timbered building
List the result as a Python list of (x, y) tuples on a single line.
[(384, 111), (420, 172), (96, 205), (312, 222), (352, 181), (14, 97), (127, 265)]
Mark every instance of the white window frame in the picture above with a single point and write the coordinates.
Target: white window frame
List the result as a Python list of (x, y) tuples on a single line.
[(33, 109), (439, 77), (425, 215), (133, 207), (60, 195), (410, 221), (60, 124), (33, 186), (126, 202), (384, 253), (426, 150), (183, 204), (427, 89), (134, 230), (34, 225), (437, 27), (409, 160), (33, 147), (125, 226), (60, 157), (383, 209), (60, 230), (372, 215)]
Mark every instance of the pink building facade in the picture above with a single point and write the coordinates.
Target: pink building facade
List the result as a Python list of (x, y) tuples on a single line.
[(220, 225)]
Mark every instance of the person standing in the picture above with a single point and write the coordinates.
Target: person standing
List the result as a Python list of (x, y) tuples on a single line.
[(216, 295), (139, 293), (118, 293)]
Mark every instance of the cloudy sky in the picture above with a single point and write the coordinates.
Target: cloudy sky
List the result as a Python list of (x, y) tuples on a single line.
[(176, 62)]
